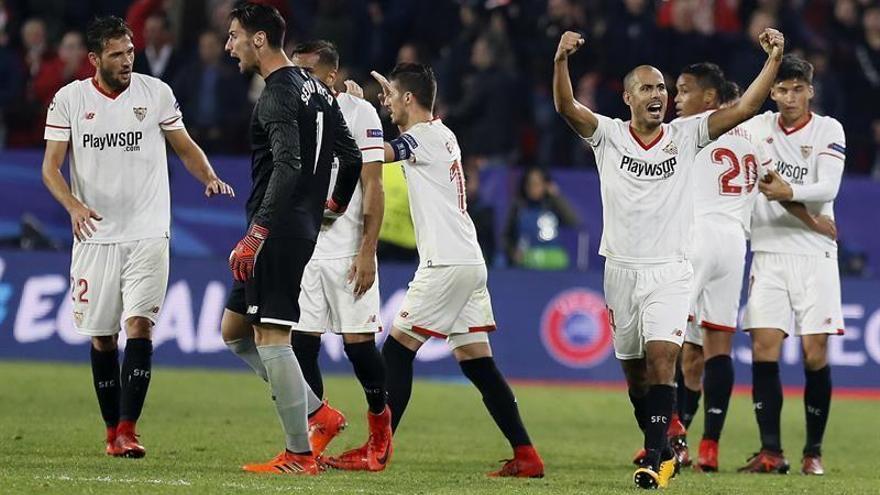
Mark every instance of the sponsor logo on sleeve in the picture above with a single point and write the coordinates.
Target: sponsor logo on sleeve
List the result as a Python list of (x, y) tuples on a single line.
[(374, 133)]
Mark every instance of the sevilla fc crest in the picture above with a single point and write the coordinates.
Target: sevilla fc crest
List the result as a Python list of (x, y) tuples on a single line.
[(806, 150), (140, 113)]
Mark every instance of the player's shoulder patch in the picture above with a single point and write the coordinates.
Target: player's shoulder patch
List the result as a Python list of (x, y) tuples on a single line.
[(374, 133)]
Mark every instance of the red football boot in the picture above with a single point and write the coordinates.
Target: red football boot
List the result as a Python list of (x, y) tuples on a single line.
[(766, 461), (324, 425), (287, 463), (707, 461), (526, 463), (677, 435), (111, 448), (127, 443), (812, 465), (373, 455)]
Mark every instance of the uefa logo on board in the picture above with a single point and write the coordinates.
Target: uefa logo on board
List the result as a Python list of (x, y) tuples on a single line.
[(575, 328)]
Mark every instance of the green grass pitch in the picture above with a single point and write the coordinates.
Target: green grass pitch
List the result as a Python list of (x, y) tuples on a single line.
[(199, 426)]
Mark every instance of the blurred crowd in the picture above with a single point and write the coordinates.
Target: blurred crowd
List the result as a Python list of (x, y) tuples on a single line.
[(493, 59)]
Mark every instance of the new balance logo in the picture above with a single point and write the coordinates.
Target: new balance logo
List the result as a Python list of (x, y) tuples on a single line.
[(252, 310), (90, 115)]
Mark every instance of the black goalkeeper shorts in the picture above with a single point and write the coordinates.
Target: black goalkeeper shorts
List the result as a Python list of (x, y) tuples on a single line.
[(271, 295)]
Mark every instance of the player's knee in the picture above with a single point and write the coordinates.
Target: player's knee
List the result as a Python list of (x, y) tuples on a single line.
[(815, 355), (105, 343), (358, 338), (766, 345), (138, 327), (234, 326), (472, 351)]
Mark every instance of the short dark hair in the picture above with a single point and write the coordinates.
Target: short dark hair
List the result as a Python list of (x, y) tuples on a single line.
[(255, 17), (419, 80), (795, 67), (103, 29), (325, 50), (729, 92), (708, 76)]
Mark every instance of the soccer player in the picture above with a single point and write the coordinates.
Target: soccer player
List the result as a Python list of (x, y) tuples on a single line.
[(116, 125), (725, 178), (296, 130), (339, 289), (645, 168), (448, 297), (794, 269)]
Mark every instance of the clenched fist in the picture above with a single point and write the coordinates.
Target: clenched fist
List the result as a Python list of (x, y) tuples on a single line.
[(773, 43), (568, 44)]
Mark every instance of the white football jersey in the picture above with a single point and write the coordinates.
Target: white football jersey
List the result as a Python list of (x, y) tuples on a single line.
[(118, 165), (795, 153), (726, 174), (647, 189), (445, 234), (343, 238)]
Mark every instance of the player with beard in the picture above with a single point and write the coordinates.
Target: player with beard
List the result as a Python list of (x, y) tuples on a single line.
[(645, 168), (296, 131), (116, 125), (448, 297)]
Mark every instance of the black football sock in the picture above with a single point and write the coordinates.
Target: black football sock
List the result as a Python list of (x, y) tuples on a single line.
[(370, 371), (105, 374), (718, 385), (658, 412), (136, 370), (688, 409), (399, 376), (640, 407), (679, 397), (767, 399), (817, 403), (498, 398), (306, 348)]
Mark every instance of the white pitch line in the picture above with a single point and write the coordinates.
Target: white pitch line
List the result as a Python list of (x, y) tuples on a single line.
[(108, 479)]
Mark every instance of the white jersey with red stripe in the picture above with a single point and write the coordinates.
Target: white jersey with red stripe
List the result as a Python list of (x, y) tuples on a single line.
[(726, 175), (445, 234), (118, 165), (799, 156), (647, 189), (342, 239)]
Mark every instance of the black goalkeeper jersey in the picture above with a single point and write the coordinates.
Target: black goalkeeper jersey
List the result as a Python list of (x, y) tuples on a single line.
[(296, 130)]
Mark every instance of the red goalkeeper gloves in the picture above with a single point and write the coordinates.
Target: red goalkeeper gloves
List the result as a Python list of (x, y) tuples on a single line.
[(242, 258)]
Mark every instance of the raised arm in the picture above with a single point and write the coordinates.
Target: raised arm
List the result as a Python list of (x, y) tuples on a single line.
[(726, 119), (196, 162), (81, 216), (579, 117)]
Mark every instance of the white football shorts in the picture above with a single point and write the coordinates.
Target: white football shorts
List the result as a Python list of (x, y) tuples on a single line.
[(448, 302), (111, 283), (794, 288), (327, 300), (718, 258), (647, 302)]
